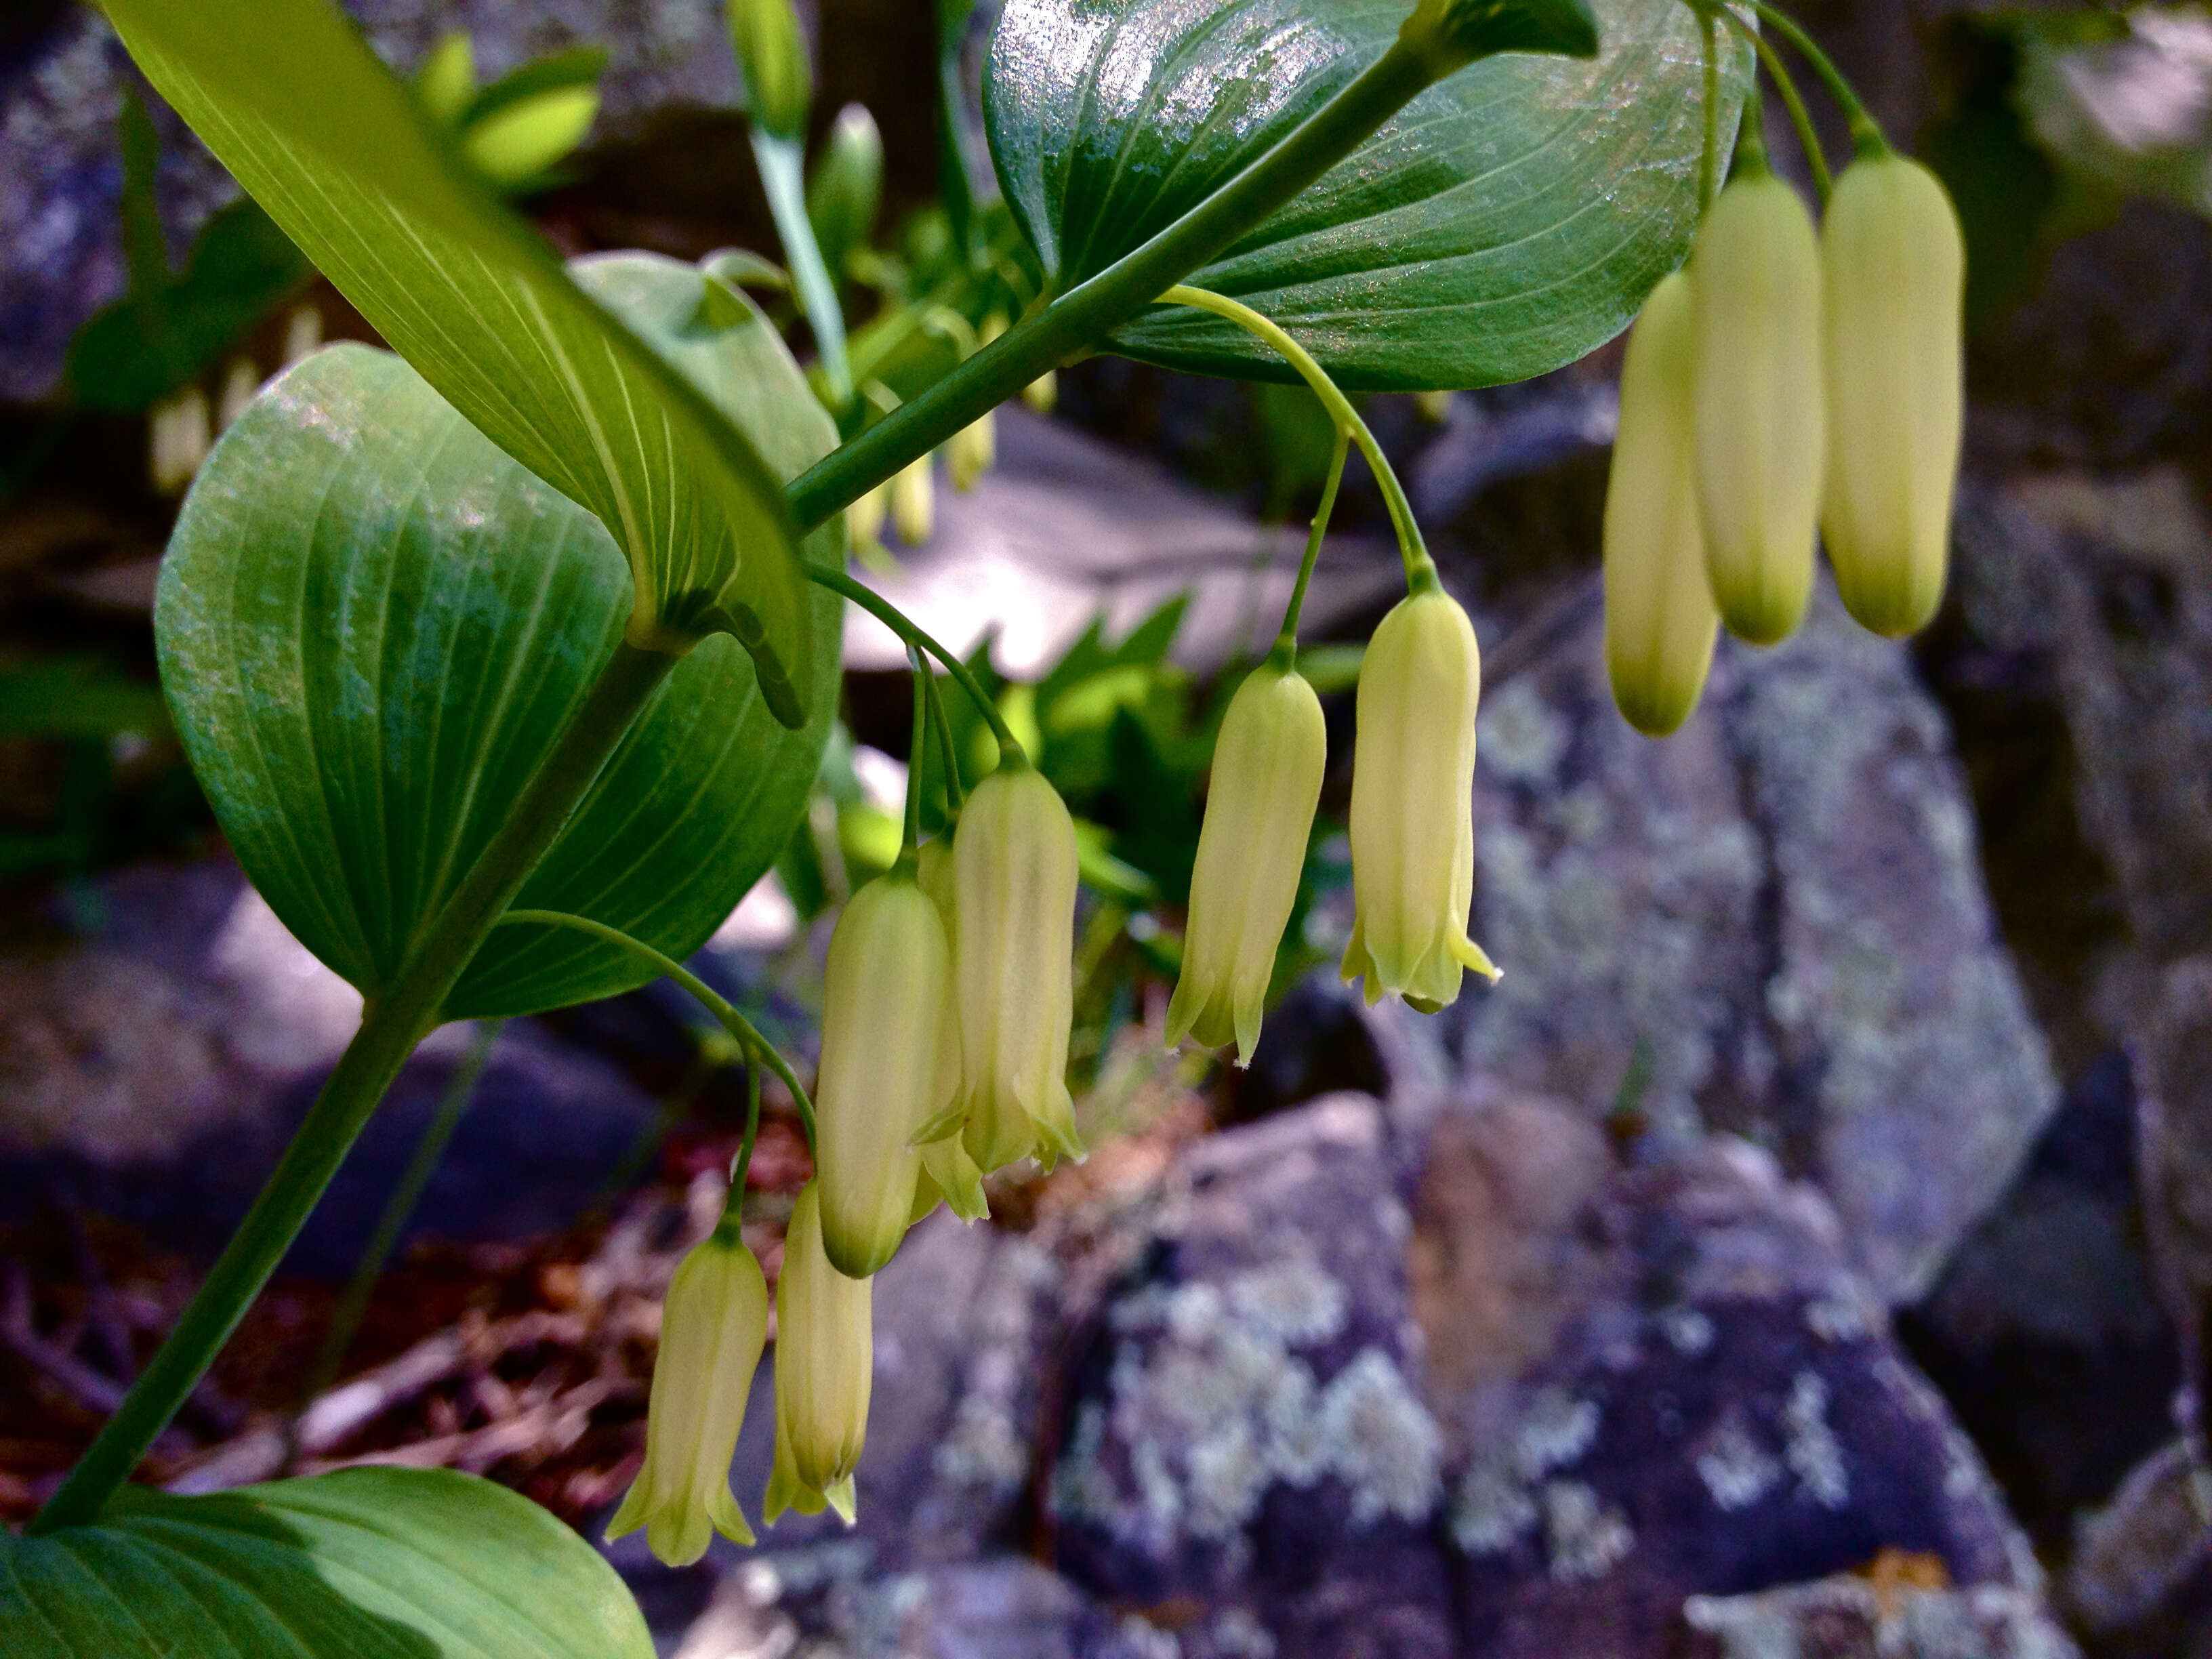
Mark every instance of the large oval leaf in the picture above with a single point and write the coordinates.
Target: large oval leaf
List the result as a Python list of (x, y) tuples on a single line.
[(365, 1563), (1507, 220), (295, 104), (374, 625)]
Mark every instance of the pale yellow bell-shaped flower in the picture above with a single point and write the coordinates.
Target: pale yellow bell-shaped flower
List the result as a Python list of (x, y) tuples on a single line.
[(1042, 393), (1267, 765), (1014, 877), (913, 501), (1894, 268), (1659, 615), (1759, 411), (864, 519), (972, 451), (885, 1068), (948, 1172), (1412, 805), (824, 1369), (712, 1324)]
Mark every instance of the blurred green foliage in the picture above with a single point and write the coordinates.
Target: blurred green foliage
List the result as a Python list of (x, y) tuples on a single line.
[(2055, 118), (83, 724)]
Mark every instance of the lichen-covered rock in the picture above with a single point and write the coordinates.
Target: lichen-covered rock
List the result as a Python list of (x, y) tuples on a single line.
[(1857, 1619), (1244, 1430), (1701, 1399), (1524, 1413), (1772, 923), (1004, 1608)]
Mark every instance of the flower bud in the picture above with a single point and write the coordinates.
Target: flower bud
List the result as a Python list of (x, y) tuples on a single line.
[(178, 439), (1267, 765), (885, 1068), (1893, 266), (846, 190), (864, 520), (913, 501), (1014, 875), (772, 57), (712, 1325), (1412, 805), (825, 1366), (1042, 393), (1760, 419), (972, 451), (1659, 616)]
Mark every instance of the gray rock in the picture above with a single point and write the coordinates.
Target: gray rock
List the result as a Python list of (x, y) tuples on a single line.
[(1006, 1607), (1244, 1429), (1668, 1383), (2045, 1332), (2144, 1557), (1854, 1619), (178, 1027), (1528, 1411), (1772, 923)]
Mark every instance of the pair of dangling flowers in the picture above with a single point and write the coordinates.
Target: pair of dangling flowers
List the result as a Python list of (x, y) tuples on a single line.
[(714, 1326), (1787, 381), (1412, 828)]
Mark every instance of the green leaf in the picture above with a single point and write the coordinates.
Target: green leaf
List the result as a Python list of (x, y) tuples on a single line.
[(364, 1563), (1509, 219), (373, 625), (287, 96)]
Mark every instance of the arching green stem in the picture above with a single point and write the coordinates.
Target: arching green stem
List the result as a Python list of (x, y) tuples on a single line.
[(822, 575), (758, 1047), (953, 792), (1866, 131), (733, 1203), (1285, 653), (391, 1023), (1411, 548), (1708, 159), (917, 755), (1809, 140), (1079, 319), (406, 1194)]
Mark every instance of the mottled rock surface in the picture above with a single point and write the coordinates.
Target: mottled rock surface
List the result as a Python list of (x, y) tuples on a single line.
[(1461, 1383), (1774, 923), (1853, 1619), (177, 1026), (2045, 1332)]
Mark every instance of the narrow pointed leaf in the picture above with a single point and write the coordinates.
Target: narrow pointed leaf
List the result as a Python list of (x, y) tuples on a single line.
[(286, 92), (1507, 220), (364, 1563)]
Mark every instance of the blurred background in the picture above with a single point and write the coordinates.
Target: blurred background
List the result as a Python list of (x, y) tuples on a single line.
[(1804, 1250)]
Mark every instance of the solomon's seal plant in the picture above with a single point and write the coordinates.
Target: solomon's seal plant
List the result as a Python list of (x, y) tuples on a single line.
[(506, 656)]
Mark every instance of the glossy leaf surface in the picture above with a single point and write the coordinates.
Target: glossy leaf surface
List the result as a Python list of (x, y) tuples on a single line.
[(1507, 220), (364, 1563), (374, 625), (289, 98)]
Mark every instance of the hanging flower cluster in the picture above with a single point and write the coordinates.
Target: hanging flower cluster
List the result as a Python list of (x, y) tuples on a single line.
[(1788, 382)]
